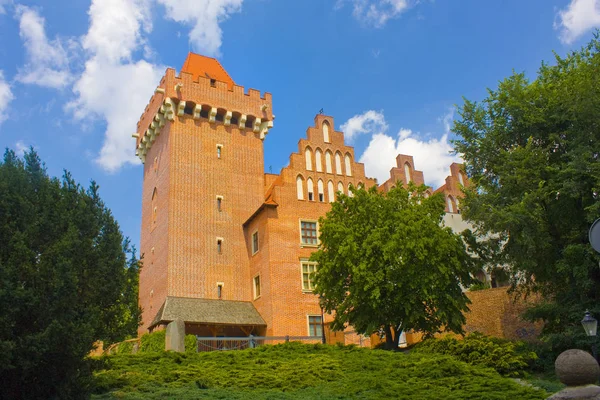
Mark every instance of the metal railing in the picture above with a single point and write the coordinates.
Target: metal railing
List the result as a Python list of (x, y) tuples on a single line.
[(248, 342)]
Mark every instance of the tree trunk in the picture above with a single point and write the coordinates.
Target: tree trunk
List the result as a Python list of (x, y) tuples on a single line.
[(389, 339)]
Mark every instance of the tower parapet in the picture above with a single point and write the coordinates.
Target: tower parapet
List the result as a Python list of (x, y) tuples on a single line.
[(190, 95)]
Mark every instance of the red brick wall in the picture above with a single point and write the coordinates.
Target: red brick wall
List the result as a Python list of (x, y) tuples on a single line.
[(283, 304), (185, 261)]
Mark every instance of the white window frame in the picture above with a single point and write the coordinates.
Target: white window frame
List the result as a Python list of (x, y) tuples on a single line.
[(254, 286), (311, 286), (255, 250)]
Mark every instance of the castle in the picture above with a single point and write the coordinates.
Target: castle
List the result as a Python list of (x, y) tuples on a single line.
[(226, 246)]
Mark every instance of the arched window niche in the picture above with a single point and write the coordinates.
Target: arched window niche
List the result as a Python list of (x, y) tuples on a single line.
[(319, 160), (300, 187), (328, 168), (330, 192), (348, 162), (308, 157), (326, 132), (338, 163)]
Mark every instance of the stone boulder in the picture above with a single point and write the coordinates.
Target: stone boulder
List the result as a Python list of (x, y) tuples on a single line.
[(579, 371)]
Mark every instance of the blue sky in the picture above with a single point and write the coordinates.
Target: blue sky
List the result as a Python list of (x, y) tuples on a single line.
[(75, 76)]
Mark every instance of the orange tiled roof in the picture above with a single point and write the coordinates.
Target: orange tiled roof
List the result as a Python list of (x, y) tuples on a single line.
[(207, 67)]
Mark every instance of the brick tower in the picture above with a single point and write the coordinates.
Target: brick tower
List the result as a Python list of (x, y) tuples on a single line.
[(200, 139)]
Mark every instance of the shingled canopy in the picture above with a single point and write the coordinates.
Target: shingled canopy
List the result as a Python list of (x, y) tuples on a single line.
[(208, 312)]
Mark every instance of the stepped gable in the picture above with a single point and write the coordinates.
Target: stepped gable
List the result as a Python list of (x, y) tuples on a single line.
[(405, 172), (323, 156), (202, 91), (452, 189)]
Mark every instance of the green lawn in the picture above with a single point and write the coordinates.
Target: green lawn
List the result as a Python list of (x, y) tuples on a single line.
[(297, 371)]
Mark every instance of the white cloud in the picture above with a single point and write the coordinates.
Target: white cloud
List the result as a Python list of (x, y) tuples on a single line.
[(113, 87), (47, 61), (3, 4), (376, 12), (576, 19), (116, 28), (369, 122), (21, 148), (6, 96), (204, 16), (432, 156)]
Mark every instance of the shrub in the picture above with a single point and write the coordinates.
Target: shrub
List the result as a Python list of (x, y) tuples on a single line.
[(155, 342), (479, 286), (301, 371), (507, 357), (124, 348)]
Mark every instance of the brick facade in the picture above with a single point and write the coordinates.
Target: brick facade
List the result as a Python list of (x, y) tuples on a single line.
[(205, 195)]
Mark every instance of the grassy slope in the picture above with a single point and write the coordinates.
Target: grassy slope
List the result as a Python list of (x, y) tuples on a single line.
[(295, 371)]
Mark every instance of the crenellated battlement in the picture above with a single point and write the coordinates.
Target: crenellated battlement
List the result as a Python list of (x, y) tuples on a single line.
[(185, 96)]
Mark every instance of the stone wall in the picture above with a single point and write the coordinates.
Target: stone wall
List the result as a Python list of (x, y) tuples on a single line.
[(495, 312)]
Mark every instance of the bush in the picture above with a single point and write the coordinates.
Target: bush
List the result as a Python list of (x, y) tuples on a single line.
[(301, 371), (479, 286), (507, 357), (155, 343)]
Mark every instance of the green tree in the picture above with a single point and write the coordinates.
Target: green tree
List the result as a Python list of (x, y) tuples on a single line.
[(66, 280), (387, 264), (532, 151)]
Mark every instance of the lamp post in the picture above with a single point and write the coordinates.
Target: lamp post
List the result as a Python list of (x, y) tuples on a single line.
[(590, 325)]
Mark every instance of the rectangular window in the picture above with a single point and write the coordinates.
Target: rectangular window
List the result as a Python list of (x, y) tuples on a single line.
[(321, 197), (315, 325), (255, 242), (219, 149), (308, 231), (310, 196), (257, 286), (308, 275), (219, 203), (219, 290), (219, 246)]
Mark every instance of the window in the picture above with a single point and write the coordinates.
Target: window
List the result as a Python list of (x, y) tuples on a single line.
[(315, 325), (300, 187), (311, 189), (219, 290), (318, 160), (308, 275), (350, 192), (321, 190), (407, 172), (348, 164), (219, 149), (328, 162), (338, 163), (219, 202), (308, 232), (326, 132), (220, 246), (154, 206), (308, 156), (257, 286), (330, 192), (450, 203), (460, 179), (340, 187), (255, 242)]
